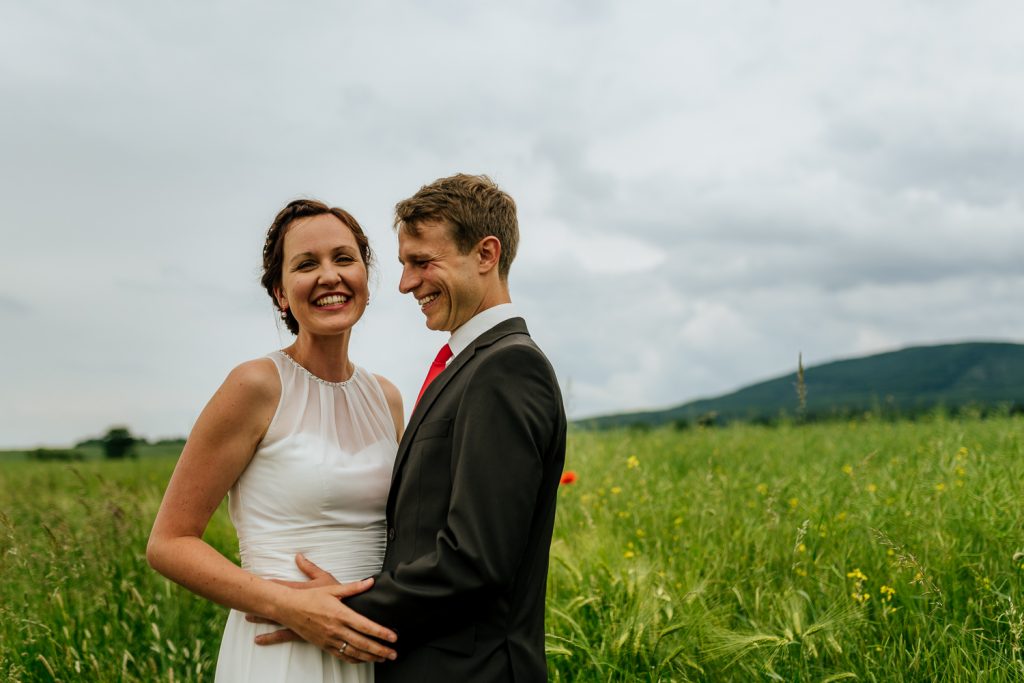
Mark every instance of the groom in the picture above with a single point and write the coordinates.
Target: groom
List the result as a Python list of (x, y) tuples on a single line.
[(472, 499)]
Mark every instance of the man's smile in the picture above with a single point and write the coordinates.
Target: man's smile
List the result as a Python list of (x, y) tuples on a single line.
[(427, 299)]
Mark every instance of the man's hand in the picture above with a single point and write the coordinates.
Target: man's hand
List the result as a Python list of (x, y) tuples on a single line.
[(316, 614), (317, 577)]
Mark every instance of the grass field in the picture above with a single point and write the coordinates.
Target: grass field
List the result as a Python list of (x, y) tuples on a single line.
[(846, 551)]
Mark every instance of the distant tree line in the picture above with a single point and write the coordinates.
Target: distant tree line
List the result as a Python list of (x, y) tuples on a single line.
[(879, 412), (56, 454), (117, 443)]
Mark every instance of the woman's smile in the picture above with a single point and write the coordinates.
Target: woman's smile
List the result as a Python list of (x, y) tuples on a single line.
[(331, 301)]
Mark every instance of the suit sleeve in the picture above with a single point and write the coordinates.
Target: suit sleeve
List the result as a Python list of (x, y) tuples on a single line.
[(504, 427)]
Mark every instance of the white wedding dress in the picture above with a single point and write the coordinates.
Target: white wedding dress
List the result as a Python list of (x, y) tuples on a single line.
[(317, 485)]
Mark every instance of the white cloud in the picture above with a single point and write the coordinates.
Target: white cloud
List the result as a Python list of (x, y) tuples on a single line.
[(705, 190)]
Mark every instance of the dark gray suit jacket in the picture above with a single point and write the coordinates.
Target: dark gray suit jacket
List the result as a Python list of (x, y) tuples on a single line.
[(470, 514)]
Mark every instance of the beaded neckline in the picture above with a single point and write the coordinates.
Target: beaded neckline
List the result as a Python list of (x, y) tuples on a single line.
[(314, 377)]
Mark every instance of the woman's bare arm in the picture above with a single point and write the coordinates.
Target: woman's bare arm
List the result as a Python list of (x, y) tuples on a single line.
[(394, 399), (220, 447)]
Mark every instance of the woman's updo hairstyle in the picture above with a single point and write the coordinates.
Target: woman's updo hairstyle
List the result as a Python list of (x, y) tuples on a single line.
[(273, 248)]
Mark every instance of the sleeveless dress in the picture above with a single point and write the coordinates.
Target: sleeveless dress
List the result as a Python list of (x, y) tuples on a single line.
[(317, 484)]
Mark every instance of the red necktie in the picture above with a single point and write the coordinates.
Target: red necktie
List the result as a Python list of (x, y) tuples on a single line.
[(439, 364)]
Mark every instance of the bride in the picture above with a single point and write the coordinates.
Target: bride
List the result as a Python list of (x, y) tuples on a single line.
[(303, 442)]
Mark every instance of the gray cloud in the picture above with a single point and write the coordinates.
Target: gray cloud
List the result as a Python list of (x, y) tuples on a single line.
[(704, 190), (13, 307)]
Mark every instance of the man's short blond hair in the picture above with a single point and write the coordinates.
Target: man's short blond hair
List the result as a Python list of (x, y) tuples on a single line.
[(474, 208)]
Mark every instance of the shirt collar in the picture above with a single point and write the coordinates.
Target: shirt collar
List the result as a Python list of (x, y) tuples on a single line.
[(478, 324)]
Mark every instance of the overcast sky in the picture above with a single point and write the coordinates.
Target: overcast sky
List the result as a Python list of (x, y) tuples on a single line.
[(705, 189)]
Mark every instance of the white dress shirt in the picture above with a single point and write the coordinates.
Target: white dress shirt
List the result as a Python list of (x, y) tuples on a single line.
[(477, 325)]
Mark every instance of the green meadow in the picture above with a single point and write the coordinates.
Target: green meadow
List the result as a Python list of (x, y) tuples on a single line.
[(862, 550)]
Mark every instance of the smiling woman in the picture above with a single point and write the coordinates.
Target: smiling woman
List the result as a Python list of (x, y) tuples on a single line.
[(303, 442), (296, 213)]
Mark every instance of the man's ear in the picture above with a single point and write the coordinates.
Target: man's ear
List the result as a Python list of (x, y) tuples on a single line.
[(489, 251)]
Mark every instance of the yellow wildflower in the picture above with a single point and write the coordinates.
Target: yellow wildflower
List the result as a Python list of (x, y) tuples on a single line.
[(940, 487), (848, 469), (632, 461), (762, 489), (871, 488), (616, 490), (794, 502), (628, 554)]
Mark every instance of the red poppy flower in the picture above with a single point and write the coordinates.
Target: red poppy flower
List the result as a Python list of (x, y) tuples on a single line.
[(568, 477)]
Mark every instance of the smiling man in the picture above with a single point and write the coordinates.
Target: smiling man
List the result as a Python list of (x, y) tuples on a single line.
[(472, 500)]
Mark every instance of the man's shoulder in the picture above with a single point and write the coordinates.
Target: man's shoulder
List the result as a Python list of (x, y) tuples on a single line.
[(513, 355), (518, 342)]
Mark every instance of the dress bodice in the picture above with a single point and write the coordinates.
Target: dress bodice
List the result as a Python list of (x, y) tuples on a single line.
[(318, 481)]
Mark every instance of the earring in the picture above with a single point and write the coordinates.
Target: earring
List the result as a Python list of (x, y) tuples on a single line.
[(367, 301)]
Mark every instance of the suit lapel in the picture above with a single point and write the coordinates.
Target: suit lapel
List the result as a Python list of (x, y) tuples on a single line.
[(503, 329)]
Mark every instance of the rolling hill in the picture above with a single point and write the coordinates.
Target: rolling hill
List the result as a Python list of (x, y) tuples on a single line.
[(908, 381)]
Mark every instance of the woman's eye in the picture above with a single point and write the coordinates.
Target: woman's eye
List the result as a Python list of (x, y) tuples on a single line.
[(343, 259)]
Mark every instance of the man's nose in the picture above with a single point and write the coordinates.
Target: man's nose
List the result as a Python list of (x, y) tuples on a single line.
[(408, 281)]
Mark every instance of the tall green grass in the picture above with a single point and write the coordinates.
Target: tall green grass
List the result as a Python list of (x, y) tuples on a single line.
[(77, 600), (873, 552), (825, 552)]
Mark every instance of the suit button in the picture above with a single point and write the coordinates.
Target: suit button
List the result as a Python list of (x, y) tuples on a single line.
[(391, 533)]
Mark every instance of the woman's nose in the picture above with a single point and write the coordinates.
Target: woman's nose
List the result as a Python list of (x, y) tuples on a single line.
[(330, 275)]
